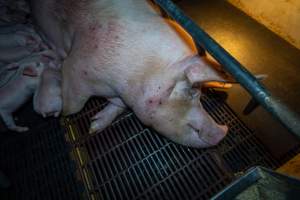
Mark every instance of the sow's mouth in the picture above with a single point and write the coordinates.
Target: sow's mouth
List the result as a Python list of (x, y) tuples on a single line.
[(213, 138)]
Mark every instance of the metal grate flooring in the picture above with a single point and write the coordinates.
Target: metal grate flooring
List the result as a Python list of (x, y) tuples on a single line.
[(240, 149), (125, 161), (130, 161), (39, 165)]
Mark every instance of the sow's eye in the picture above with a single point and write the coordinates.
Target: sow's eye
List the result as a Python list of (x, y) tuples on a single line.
[(180, 90), (184, 91), (194, 93)]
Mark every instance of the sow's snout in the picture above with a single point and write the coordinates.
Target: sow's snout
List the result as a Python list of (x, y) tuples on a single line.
[(203, 130)]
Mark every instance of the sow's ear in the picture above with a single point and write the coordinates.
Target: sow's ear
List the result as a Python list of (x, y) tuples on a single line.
[(30, 71), (208, 73), (205, 70)]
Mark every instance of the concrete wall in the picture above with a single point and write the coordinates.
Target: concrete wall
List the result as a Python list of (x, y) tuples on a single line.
[(280, 16)]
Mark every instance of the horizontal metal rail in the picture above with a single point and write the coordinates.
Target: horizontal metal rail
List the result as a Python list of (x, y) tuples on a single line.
[(281, 112)]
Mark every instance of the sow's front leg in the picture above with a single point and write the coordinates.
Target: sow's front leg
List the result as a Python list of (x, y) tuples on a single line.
[(106, 116)]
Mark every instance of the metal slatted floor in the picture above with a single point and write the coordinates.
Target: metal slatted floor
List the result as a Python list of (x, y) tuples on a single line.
[(125, 161), (240, 149), (130, 161), (39, 165)]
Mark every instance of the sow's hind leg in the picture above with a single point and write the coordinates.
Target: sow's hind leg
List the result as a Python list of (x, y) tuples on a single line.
[(106, 116)]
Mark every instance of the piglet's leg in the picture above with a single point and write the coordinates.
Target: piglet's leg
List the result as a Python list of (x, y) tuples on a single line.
[(8, 40), (105, 117), (10, 123), (13, 54)]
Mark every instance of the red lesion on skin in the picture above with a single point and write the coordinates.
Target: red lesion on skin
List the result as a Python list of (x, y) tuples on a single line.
[(94, 27), (152, 102), (96, 35), (163, 93)]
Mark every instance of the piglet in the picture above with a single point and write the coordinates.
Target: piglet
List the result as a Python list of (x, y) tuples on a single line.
[(20, 6), (9, 15), (18, 90), (11, 28), (15, 94), (16, 44), (13, 54), (47, 99), (19, 38)]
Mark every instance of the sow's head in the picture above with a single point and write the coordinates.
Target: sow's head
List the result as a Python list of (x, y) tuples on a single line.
[(177, 113)]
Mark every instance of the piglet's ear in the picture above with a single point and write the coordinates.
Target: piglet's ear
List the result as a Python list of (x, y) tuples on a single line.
[(208, 73), (30, 71)]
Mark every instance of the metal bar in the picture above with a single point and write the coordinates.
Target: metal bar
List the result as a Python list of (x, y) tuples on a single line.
[(281, 112)]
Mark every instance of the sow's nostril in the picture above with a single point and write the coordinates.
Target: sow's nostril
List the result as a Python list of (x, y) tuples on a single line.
[(224, 129), (208, 136), (218, 134)]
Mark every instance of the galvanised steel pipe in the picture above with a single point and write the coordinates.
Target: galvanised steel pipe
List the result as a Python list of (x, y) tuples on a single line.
[(286, 116)]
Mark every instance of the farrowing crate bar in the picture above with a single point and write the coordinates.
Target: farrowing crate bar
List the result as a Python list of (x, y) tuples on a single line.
[(278, 110)]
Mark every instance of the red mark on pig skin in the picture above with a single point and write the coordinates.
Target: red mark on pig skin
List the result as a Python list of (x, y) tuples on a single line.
[(153, 102), (30, 71), (92, 27), (104, 37)]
